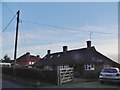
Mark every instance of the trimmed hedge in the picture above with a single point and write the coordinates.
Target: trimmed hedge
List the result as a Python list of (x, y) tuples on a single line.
[(30, 73)]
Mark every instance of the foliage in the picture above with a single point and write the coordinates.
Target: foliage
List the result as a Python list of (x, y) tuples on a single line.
[(6, 59), (30, 73)]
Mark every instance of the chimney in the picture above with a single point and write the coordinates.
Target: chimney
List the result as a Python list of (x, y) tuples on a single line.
[(64, 49), (48, 52), (28, 56), (38, 56), (28, 53), (88, 44)]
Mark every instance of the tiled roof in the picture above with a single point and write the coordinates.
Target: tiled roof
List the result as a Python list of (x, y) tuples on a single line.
[(26, 57), (77, 56)]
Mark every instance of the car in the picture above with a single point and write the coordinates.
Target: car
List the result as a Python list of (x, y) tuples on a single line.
[(109, 74)]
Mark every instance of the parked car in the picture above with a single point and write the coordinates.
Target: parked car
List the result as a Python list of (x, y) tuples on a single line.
[(110, 74)]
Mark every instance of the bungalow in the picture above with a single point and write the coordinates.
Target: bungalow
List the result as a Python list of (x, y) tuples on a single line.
[(84, 61), (27, 60)]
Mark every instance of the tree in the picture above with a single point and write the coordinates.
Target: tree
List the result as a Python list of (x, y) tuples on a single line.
[(6, 59)]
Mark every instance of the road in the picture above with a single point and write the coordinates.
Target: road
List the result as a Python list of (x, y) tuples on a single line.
[(79, 84), (92, 84), (10, 84)]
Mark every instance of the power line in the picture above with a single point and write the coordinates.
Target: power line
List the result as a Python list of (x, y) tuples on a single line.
[(8, 24), (43, 24), (59, 27), (53, 26), (9, 9)]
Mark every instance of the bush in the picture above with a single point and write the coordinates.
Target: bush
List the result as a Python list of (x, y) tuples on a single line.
[(7, 70), (30, 73)]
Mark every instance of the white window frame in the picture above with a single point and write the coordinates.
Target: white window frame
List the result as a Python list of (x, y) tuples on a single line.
[(89, 67)]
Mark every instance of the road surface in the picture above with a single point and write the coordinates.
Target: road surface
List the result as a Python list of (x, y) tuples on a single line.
[(10, 84)]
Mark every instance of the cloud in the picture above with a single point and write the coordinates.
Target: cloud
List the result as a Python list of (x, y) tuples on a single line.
[(38, 40), (68, 33)]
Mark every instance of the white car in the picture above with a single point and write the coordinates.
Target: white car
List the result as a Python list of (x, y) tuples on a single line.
[(110, 74)]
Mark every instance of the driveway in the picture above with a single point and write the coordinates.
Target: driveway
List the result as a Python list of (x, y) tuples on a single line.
[(84, 83)]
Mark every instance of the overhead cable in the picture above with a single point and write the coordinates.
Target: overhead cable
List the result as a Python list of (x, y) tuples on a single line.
[(8, 24), (60, 27)]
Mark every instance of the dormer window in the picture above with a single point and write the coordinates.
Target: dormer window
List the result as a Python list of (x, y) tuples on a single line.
[(58, 55), (51, 56)]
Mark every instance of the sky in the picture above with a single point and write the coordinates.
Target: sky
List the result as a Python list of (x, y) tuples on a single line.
[(52, 25)]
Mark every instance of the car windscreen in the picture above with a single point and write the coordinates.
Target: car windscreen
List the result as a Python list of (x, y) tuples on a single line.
[(109, 70)]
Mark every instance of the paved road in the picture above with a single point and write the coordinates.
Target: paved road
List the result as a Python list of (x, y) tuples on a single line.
[(93, 84), (10, 84), (78, 84)]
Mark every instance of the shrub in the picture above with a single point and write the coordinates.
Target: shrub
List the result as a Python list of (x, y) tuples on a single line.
[(30, 73), (7, 70)]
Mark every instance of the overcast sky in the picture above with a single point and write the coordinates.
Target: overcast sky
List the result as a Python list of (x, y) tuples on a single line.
[(50, 25)]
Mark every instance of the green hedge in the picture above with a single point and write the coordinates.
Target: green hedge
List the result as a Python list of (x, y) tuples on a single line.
[(30, 73)]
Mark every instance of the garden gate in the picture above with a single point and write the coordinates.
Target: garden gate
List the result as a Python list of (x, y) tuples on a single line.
[(65, 74)]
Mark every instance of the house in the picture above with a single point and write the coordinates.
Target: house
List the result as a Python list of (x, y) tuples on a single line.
[(85, 60), (27, 60)]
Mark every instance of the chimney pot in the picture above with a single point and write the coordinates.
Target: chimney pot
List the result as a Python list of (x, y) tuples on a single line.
[(64, 49), (88, 44)]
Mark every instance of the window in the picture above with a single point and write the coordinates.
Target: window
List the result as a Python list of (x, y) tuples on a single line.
[(30, 62), (89, 67), (51, 56), (58, 55)]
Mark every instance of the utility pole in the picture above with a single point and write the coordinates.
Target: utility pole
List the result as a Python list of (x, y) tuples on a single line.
[(16, 39)]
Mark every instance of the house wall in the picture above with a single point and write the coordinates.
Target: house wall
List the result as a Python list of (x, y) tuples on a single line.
[(84, 71), (97, 68)]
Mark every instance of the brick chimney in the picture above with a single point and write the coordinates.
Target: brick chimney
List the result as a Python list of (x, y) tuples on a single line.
[(88, 44), (48, 52), (28, 56), (28, 53), (65, 49), (38, 56)]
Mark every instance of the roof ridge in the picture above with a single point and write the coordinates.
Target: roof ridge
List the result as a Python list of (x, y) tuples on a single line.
[(72, 50)]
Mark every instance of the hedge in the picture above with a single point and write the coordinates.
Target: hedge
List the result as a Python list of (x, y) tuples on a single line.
[(30, 73)]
